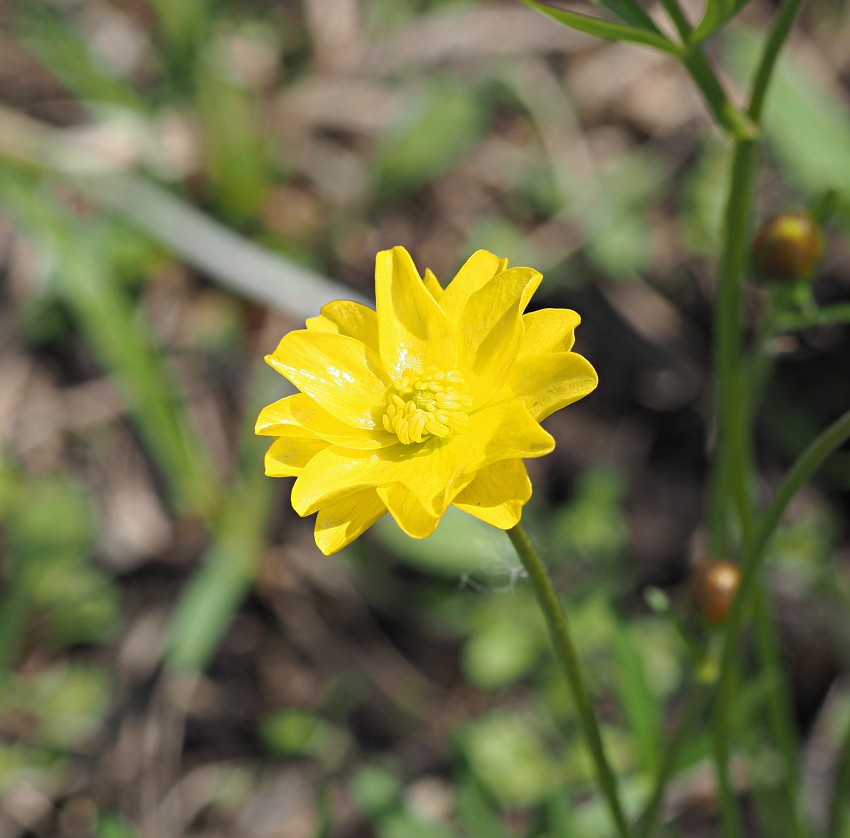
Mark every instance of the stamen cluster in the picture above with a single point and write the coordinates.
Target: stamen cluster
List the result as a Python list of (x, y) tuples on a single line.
[(431, 403)]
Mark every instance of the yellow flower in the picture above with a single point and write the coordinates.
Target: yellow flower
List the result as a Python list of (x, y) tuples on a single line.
[(433, 399)]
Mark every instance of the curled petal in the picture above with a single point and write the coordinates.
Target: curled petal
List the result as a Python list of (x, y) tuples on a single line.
[(408, 511), (340, 373), (491, 330), (478, 270), (414, 332), (434, 471), (546, 383), (497, 494), (353, 320), (289, 454), (548, 330), (340, 522)]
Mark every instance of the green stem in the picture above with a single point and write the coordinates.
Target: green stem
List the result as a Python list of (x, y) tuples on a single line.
[(779, 707), (805, 466), (838, 805), (566, 653), (736, 124)]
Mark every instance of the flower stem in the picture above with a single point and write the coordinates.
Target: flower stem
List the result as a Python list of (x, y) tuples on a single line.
[(566, 653)]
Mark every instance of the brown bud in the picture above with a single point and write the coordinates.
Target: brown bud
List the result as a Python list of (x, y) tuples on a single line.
[(787, 248), (713, 588)]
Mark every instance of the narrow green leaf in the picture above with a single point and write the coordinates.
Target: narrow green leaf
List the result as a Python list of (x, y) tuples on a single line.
[(629, 12), (717, 14), (608, 30), (639, 704)]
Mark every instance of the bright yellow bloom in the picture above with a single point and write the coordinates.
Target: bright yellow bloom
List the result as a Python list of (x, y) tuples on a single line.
[(433, 399)]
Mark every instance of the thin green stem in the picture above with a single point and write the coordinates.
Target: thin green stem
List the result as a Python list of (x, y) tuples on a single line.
[(805, 466), (565, 650), (675, 13), (779, 708), (736, 123), (841, 787), (728, 327), (775, 41)]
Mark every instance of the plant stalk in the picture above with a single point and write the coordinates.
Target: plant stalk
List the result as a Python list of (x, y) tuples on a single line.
[(566, 653)]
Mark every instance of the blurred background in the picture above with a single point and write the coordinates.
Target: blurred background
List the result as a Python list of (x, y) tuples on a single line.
[(183, 182)]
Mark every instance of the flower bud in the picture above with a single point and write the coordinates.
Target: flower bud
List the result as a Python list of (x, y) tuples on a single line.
[(713, 588), (787, 248)]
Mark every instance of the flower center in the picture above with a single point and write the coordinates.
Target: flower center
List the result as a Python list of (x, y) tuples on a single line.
[(430, 403)]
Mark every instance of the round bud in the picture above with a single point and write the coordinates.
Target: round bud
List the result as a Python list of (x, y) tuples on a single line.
[(713, 588), (787, 248)]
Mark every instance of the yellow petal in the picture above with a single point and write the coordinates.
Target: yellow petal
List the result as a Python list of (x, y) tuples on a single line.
[(340, 373), (497, 494), (433, 285), (305, 412), (288, 455), (408, 511), (548, 330), (275, 417), (434, 470), (343, 317), (339, 523), (491, 329), (478, 270), (414, 331), (546, 383)]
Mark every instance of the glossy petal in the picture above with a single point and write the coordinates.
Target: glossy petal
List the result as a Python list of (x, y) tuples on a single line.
[(497, 494), (491, 330), (274, 418), (340, 373), (546, 383), (343, 317), (288, 455), (414, 331), (307, 414), (435, 470), (548, 330), (408, 511), (340, 522), (478, 270)]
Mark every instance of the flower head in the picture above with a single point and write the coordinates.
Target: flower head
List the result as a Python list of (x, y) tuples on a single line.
[(433, 399)]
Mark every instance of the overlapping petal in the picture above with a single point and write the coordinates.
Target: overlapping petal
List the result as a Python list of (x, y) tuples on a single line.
[(340, 522), (497, 494), (434, 471), (478, 270), (546, 383), (490, 330), (339, 372), (354, 366), (343, 317), (291, 451), (548, 330), (414, 332)]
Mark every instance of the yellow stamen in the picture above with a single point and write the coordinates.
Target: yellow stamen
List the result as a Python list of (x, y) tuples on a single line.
[(431, 403)]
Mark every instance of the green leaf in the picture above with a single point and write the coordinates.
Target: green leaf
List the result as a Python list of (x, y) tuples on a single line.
[(717, 14), (640, 705), (608, 30)]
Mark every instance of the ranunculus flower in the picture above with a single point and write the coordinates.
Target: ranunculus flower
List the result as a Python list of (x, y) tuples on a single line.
[(435, 398)]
